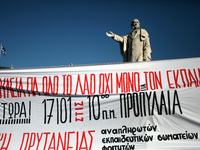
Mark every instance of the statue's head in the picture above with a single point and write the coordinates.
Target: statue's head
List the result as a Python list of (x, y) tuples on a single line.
[(135, 24)]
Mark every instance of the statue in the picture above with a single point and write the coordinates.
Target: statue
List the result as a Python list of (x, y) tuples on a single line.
[(134, 46)]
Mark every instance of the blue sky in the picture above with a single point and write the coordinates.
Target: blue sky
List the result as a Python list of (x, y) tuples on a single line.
[(44, 33)]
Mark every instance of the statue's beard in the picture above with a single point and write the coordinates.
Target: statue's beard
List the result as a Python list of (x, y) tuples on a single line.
[(135, 28)]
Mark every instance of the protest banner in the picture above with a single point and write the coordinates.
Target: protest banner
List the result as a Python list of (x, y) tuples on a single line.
[(125, 106)]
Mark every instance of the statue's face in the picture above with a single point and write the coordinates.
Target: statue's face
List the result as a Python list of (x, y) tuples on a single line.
[(136, 24)]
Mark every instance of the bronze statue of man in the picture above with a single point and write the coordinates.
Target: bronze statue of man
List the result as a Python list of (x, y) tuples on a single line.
[(134, 46)]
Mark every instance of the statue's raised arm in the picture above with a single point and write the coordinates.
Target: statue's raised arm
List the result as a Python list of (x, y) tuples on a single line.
[(134, 46)]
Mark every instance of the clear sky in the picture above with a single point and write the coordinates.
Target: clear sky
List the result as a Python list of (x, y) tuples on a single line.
[(43, 33)]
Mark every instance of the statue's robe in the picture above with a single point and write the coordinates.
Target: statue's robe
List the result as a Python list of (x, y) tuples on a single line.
[(135, 46)]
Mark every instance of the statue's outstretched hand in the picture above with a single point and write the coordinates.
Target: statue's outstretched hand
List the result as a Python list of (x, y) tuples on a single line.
[(110, 34)]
